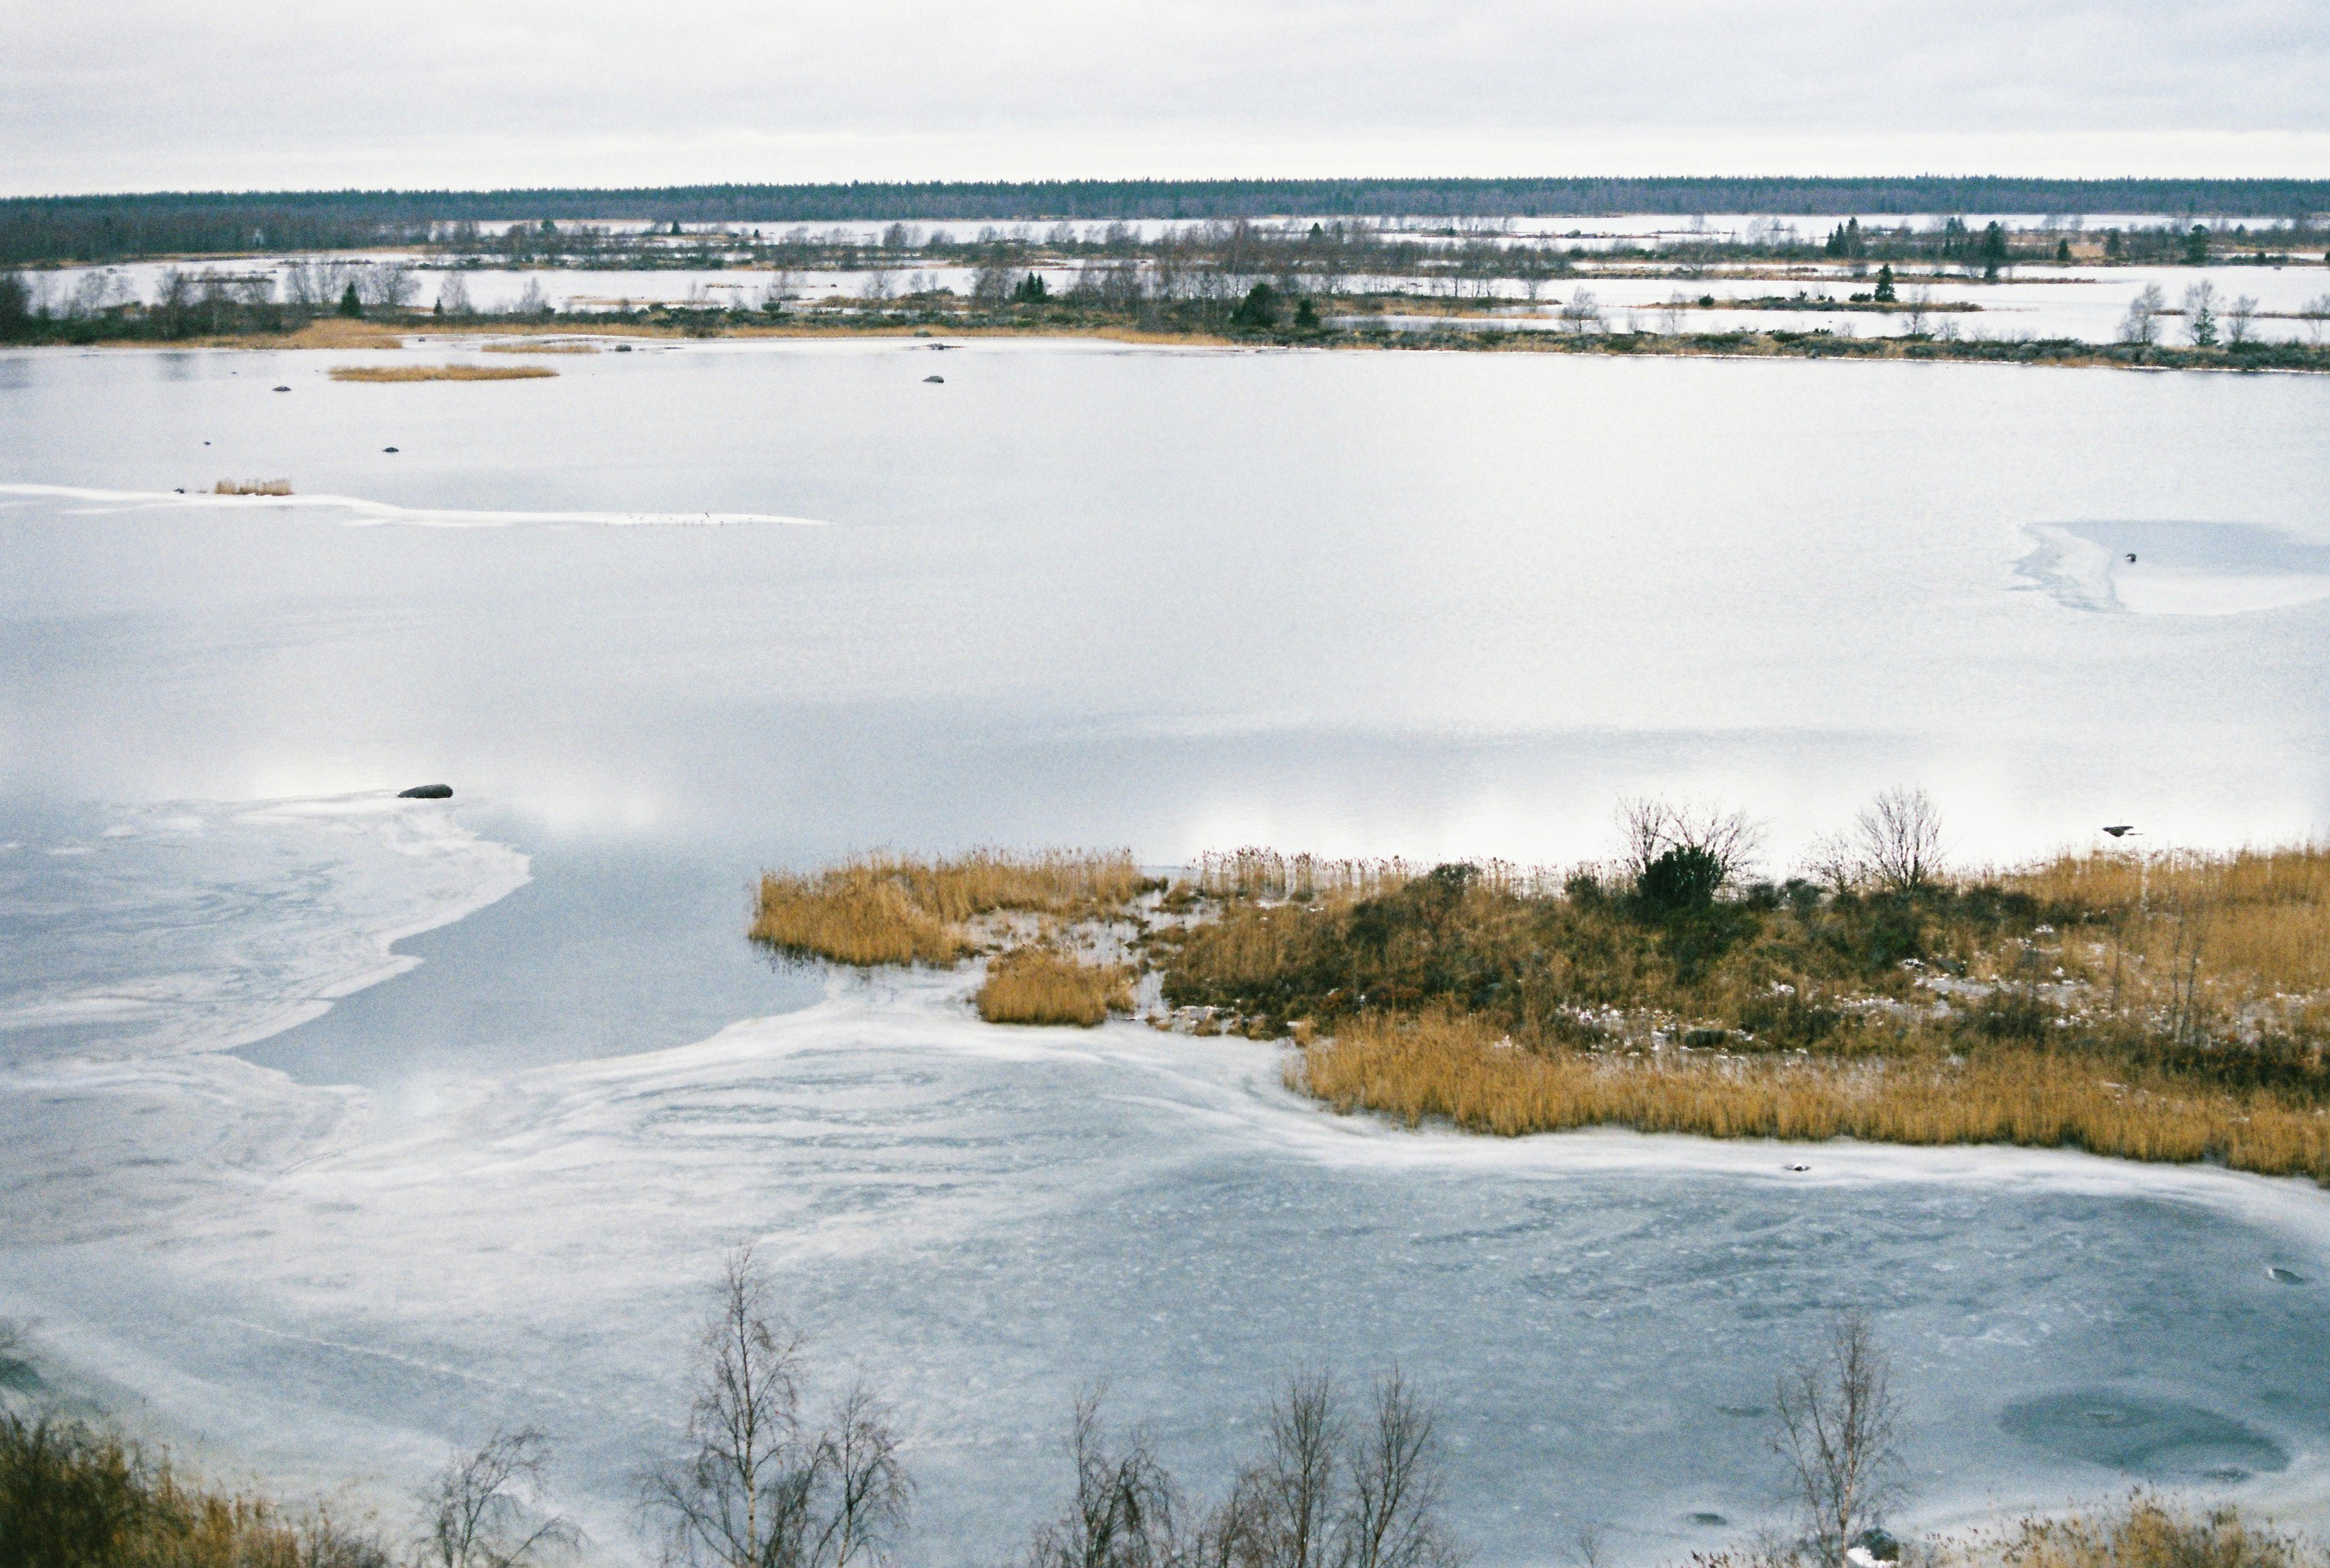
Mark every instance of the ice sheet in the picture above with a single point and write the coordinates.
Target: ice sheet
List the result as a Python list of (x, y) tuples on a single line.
[(360, 513)]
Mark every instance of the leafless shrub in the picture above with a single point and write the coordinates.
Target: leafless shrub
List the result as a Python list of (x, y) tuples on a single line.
[(453, 296), (1899, 835), (1126, 1511), (1651, 828), (1837, 1429), (1393, 1518), (482, 1510)]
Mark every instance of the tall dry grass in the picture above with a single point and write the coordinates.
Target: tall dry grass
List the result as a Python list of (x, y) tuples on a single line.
[(1041, 985), (252, 488), (1258, 874), (408, 372), (2256, 919), (539, 347), (2145, 1533), (1448, 1065), (74, 1497), (885, 909)]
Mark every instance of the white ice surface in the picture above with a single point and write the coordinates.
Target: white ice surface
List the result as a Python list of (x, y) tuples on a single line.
[(358, 512), (180, 932), (982, 1221)]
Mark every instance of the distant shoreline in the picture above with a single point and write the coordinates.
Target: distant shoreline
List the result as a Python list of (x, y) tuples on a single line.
[(389, 332)]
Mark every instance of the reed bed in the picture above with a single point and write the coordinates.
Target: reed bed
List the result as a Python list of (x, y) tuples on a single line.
[(1042, 986), (1258, 874), (404, 372), (884, 908), (252, 488), (539, 347), (2144, 1532), (2257, 917), (1443, 1065), (73, 1496)]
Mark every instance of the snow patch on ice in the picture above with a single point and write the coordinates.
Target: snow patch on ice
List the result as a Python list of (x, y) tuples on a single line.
[(2189, 569), (356, 512)]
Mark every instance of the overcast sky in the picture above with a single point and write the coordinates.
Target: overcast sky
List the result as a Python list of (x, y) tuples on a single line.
[(241, 94)]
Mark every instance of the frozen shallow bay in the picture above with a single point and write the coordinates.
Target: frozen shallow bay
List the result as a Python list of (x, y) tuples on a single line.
[(1422, 604)]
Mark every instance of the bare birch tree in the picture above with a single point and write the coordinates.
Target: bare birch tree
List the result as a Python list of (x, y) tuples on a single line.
[(1838, 1430), (741, 1496), (863, 1491)]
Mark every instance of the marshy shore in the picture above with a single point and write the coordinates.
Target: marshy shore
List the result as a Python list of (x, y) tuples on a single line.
[(2152, 1005)]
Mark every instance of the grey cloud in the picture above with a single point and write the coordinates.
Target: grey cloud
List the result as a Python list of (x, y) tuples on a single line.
[(229, 93)]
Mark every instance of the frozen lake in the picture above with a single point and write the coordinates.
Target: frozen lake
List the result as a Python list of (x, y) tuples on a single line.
[(334, 1129)]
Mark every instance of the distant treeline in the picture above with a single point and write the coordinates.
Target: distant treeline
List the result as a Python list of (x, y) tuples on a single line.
[(34, 229)]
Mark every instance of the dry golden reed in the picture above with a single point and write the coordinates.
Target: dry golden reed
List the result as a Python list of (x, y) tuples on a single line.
[(2256, 917), (252, 488), (2143, 1534), (403, 372), (1448, 1066), (1039, 986), (539, 348), (884, 909)]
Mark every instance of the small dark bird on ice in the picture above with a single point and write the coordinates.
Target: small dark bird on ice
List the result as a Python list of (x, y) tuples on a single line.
[(2120, 830), (934, 378), (2131, 558)]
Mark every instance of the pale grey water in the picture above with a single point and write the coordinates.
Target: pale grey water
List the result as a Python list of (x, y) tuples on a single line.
[(1378, 603)]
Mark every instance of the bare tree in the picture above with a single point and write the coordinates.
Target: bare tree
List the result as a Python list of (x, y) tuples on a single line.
[(1581, 315), (2141, 325), (453, 296), (1393, 1518), (1899, 837), (2241, 320), (389, 285), (863, 1490), (482, 1511), (1837, 1428), (2316, 316), (2201, 315), (1292, 1488), (1653, 827), (1126, 1513), (741, 1496)]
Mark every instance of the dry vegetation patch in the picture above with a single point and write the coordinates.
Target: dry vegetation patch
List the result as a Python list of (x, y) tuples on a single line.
[(403, 372), (1042, 986), (2164, 1007), (73, 1495), (1467, 1072), (252, 488), (884, 909), (2145, 1533), (539, 347)]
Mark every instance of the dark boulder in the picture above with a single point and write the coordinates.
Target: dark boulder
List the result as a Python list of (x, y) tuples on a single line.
[(427, 792)]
